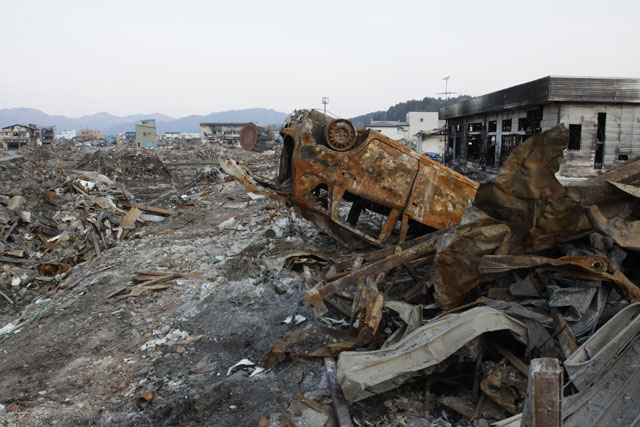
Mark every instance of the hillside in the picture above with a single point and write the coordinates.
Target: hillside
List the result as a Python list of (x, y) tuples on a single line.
[(110, 124), (400, 110)]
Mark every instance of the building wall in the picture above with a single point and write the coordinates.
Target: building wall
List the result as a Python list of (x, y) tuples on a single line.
[(146, 134), (394, 132), (621, 137), (433, 144), (420, 120), (89, 134), (67, 134)]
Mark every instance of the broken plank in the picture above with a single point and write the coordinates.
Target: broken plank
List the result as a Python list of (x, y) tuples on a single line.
[(153, 209), (129, 220)]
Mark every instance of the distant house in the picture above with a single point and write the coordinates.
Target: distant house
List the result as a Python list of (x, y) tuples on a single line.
[(393, 129), (601, 114), (220, 132), (89, 135), (18, 136), (410, 131), (146, 134), (67, 134)]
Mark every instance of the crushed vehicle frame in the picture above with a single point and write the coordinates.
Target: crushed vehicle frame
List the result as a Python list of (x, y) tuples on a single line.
[(333, 173)]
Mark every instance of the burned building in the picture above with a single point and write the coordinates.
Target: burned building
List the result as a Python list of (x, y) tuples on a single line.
[(48, 135), (220, 132), (602, 115), (17, 136)]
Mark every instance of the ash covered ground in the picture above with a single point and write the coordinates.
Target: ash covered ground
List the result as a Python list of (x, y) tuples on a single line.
[(81, 347)]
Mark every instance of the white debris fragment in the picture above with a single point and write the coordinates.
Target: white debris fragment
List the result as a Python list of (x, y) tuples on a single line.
[(295, 320), (25, 216), (257, 371), (334, 322), (227, 223), (8, 328), (170, 339), (254, 196), (86, 185), (15, 282), (240, 364)]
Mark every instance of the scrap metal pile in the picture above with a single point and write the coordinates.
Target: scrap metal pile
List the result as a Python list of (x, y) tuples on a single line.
[(479, 289), (54, 218)]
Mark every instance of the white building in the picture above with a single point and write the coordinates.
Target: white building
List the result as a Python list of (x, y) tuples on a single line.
[(392, 129), (67, 134), (412, 131)]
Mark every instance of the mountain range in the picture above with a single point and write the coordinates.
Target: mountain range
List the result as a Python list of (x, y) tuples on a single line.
[(109, 124)]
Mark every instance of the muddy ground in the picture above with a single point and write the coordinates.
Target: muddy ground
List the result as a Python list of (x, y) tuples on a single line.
[(85, 354)]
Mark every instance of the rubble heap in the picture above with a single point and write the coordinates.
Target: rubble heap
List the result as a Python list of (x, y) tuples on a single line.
[(125, 164), (535, 273), (54, 218)]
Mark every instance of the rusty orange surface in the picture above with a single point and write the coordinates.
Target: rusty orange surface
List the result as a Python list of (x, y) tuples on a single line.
[(377, 169)]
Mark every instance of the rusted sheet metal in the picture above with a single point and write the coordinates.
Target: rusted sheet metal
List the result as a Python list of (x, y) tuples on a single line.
[(335, 173), (582, 267)]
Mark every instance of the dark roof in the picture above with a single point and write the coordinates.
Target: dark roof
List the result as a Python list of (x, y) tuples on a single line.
[(222, 124), (549, 89), (386, 124), (24, 126)]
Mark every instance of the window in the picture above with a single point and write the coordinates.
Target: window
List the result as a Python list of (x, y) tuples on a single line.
[(421, 119), (524, 124), (506, 125), (575, 132), (493, 126), (602, 120), (475, 127)]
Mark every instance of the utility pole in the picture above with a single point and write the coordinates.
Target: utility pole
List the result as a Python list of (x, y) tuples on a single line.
[(325, 101)]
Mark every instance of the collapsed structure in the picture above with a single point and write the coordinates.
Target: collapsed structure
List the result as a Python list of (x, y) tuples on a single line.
[(524, 273)]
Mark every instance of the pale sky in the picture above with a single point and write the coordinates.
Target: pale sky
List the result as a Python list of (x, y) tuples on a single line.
[(196, 57)]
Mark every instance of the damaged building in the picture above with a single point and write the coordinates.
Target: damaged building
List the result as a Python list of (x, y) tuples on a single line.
[(220, 132), (18, 136), (602, 115), (48, 135)]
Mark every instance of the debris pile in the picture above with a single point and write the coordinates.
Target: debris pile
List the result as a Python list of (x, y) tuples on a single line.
[(534, 273), (54, 218), (125, 164)]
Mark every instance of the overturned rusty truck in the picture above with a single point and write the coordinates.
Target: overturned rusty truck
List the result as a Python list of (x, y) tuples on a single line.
[(359, 185)]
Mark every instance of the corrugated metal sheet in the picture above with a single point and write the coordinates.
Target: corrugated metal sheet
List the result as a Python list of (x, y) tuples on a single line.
[(549, 89)]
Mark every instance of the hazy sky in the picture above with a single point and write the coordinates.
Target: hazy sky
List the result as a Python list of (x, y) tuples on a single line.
[(196, 57)]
